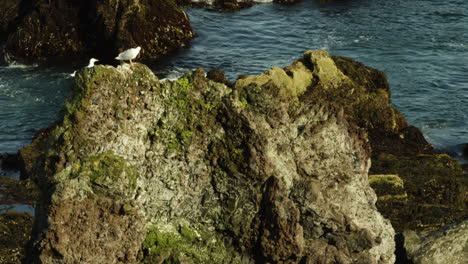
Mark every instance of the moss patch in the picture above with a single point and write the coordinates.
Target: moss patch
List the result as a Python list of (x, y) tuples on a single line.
[(107, 170), (387, 184), (191, 107), (184, 245)]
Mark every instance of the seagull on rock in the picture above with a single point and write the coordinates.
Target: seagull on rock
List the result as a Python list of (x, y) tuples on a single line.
[(91, 62), (90, 65), (129, 54)]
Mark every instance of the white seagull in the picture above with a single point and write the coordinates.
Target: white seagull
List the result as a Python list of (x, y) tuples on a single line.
[(129, 54), (91, 62), (90, 65)]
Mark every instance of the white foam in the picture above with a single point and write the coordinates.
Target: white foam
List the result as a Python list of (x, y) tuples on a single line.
[(16, 65)]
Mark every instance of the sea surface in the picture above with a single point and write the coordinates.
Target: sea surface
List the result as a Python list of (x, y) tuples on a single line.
[(422, 46)]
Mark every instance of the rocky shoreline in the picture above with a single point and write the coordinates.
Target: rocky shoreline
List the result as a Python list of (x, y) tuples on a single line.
[(305, 164), (270, 169)]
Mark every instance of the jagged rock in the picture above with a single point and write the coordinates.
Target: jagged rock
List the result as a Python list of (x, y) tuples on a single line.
[(48, 29), (264, 172), (445, 246)]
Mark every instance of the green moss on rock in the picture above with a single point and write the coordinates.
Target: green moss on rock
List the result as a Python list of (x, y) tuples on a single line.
[(185, 245), (107, 170), (435, 186), (387, 184)]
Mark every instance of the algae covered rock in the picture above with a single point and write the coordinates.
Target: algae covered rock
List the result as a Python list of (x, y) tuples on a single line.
[(15, 231), (193, 171), (436, 191), (47, 29)]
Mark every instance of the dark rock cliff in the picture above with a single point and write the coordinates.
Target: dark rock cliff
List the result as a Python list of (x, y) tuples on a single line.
[(272, 170), (36, 30)]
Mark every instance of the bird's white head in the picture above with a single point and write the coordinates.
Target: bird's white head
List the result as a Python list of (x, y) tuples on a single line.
[(91, 62)]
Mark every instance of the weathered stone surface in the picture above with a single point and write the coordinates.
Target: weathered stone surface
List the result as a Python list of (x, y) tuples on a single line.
[(46, 29), (264, 172), (92, 230), (447, 245)]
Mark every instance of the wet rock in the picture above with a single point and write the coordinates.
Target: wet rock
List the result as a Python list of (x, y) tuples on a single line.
[(204, 173), (47, 29), (447, 245), (15, 230)]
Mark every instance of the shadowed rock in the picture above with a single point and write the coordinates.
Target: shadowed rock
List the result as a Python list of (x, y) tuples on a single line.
[(47, 29)]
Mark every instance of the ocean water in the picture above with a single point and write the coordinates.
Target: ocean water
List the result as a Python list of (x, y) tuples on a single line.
[(421, 45)]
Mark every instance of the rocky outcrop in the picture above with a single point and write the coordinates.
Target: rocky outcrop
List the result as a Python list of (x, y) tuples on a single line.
[(447, 245), (434, 185), (194, 171), (47, 29)]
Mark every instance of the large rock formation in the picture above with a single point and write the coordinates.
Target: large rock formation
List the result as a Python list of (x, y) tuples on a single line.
[(38, 30), (192, 171)]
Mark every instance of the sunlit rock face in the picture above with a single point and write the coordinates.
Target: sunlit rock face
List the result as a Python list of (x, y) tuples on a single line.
[(271, 170)]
